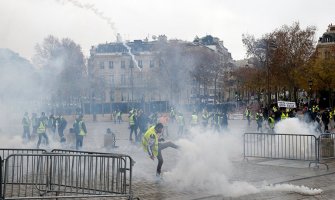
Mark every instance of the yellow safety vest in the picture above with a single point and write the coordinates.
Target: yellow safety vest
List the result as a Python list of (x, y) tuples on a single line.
[(194, 119), (41, 128), (145, 140), (131, 120), (284, 115), (271, 122)]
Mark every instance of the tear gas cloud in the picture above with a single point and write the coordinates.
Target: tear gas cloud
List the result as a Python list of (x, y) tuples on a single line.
[(205, 161), (295, 126)]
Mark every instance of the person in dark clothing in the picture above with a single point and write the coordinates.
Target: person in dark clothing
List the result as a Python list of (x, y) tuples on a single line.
[(132, 126), (34, 123), (259, 120), (224, 120), (26, 126), (277, 115), (142, 121), (325, 119), (61, 127)]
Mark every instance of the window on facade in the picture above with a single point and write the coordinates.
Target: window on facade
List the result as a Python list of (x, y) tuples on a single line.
[(140, 64), (152, 64), (102, 65), (112, 80), (131, 64), (111, 64), (327, 55), (123, 79), (161, 63), (112, 95), (123, 64)]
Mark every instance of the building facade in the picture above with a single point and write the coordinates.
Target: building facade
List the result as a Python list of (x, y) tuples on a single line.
[(133, 72), (326, 44)]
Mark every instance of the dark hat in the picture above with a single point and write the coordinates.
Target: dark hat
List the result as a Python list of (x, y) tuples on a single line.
[(159, 126)]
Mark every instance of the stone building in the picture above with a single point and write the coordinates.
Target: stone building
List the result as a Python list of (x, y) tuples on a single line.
[(133, 72), (326, 44)]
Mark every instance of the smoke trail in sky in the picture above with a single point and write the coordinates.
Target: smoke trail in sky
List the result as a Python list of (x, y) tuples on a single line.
[(96, 11), (101, 15)]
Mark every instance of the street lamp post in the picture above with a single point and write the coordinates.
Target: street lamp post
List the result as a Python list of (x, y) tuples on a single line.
[(270, 44), (310, 84)]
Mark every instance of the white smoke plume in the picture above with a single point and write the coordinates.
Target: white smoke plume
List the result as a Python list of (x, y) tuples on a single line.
[(295, 126), (205, 162), (292, 188), (109, 21), (96, 11)]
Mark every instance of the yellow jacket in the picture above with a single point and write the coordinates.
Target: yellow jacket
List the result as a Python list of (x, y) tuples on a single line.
[(150, 141)]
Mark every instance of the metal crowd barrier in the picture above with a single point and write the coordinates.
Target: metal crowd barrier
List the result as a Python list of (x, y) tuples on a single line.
[(54, 176), (129, 162), (1, 178), (327, 143), (5, 152), (281, 146)]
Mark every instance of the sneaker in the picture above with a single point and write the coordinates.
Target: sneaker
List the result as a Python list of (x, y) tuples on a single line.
[(158, 178)]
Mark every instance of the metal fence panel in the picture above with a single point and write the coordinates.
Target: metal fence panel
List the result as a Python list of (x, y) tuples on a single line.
[(1, 196), (51, 175), (129, 161), (327, 143), (281, 146), (5, 152)]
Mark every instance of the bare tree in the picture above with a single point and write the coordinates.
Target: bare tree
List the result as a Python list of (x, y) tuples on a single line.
[(63, 68)]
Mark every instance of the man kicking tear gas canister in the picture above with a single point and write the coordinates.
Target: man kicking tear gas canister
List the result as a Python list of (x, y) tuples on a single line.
[(154, 145)]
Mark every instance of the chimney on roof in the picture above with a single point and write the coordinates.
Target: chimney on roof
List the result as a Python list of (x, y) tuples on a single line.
[(118, 38)]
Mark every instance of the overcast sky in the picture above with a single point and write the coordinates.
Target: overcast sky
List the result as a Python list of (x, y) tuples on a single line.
[(24, 23)]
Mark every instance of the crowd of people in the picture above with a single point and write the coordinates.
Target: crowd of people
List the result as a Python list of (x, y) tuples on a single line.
[(152, 130), (310, 114), (44, 126)]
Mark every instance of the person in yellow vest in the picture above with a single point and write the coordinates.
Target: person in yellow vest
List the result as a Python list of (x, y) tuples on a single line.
[(204, 118), (42, 129), (284, 115), (271, 122), (26, 126), (247, 115), (181, 123), (80, 131), (153, 145), (194, 119)]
